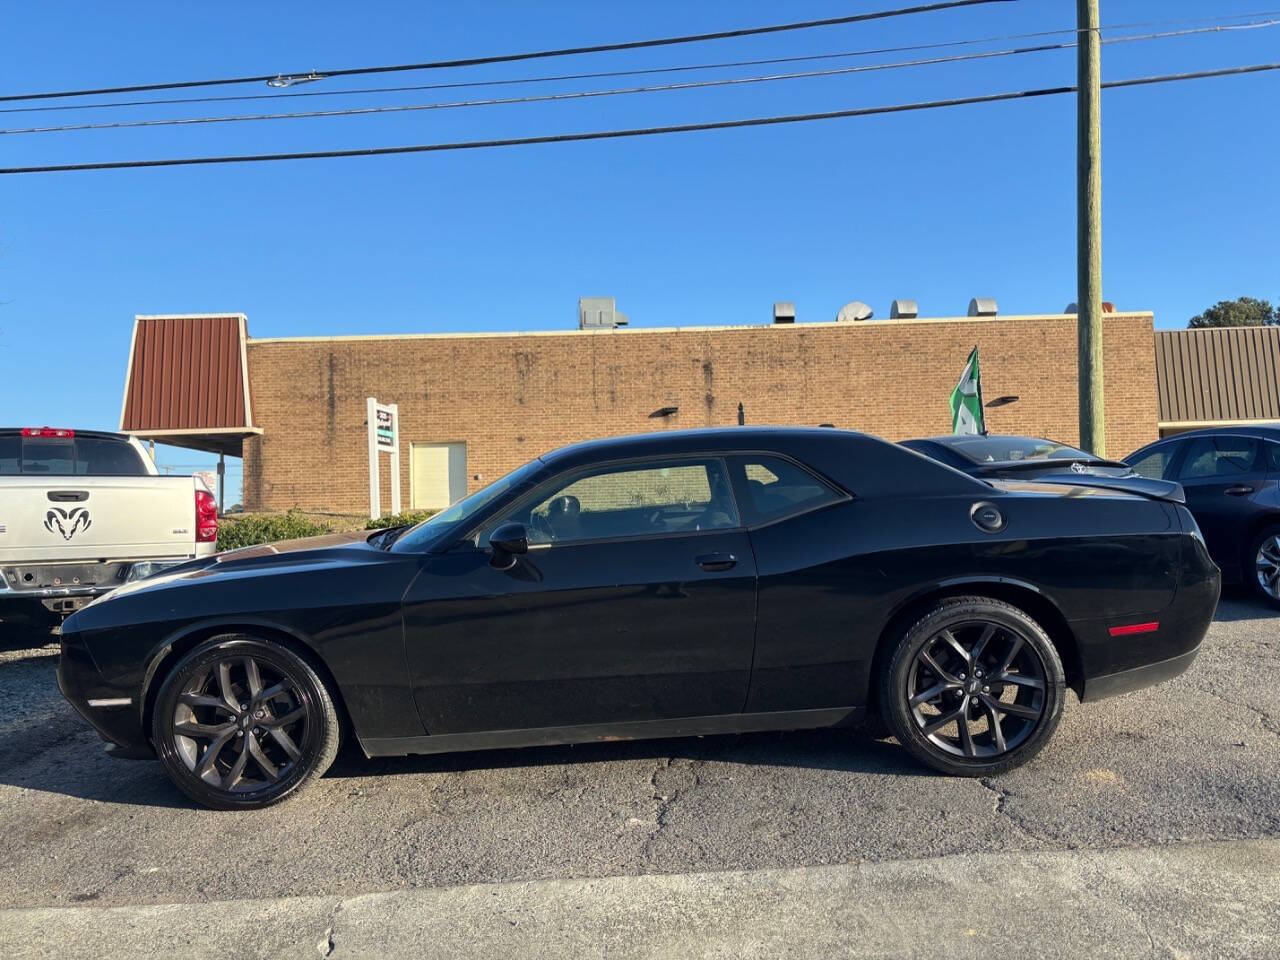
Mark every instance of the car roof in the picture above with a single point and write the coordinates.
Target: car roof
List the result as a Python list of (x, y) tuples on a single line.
[(92, 434), (662, 442), (1268, 431)]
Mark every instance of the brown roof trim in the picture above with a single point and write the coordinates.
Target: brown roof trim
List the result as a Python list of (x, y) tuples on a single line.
[(187, 374)]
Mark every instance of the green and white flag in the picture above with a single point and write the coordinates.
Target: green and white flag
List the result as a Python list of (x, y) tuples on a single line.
[(966, 399)]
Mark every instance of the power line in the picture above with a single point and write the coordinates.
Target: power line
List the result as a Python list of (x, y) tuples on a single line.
[(634, 132), (587, 94), (684, 68), (307, 75)]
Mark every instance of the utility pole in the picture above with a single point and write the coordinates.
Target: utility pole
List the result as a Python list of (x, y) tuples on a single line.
[(1093, 431)]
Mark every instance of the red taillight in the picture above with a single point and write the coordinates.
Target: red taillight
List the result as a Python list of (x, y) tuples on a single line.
[(206, 517), (1132, 628), (52, 432)]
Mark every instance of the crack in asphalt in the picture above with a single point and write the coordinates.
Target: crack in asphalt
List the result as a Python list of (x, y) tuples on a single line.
[(1265, 719), (665, 801), (999, 806)]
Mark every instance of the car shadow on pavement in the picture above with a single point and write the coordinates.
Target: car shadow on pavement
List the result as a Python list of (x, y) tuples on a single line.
[(1238, 603), (843, 749)]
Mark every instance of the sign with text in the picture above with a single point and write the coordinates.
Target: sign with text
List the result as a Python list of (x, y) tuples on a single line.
[(384, 437)]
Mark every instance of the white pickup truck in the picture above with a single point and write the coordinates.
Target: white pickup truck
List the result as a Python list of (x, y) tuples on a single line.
[(82, 512)]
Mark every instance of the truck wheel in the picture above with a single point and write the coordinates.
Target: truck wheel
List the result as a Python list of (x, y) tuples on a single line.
[(242, 723)]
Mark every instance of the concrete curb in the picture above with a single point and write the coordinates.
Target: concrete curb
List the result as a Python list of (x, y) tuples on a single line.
[(1219, 899)]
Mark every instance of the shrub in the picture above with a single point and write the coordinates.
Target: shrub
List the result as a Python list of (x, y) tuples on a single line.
[(266, 528), (398, 519)]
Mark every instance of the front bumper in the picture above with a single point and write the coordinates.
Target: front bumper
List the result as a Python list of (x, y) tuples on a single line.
[(112, 711)]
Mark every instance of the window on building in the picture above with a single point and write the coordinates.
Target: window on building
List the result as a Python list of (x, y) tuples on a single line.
[(632, 501), (1222, 456), (777, 488)]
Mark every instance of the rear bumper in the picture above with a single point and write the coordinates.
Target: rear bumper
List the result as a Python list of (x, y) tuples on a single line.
[(1126, 681), (1112, 665)]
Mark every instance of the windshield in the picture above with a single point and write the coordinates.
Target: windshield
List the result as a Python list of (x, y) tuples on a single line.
[(1007, 449), (456, 516)]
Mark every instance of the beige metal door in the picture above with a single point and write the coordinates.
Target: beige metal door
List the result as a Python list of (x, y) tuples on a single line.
[(438, 474)]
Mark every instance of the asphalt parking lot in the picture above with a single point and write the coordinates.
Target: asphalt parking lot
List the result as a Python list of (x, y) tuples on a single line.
[(1193, 761)]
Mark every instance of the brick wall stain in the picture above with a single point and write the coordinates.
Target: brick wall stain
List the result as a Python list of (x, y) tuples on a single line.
[(511, 398)]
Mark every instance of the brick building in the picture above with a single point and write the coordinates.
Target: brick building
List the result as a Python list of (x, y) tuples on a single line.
[(473, 406)]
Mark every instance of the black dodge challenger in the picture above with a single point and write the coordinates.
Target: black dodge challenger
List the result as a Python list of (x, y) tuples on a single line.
[(671, 584)]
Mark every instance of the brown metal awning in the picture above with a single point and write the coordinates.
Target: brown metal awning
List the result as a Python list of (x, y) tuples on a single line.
[(187, 382), (1218, 376)]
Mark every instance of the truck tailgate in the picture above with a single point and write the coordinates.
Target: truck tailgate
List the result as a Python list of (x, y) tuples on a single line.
[(54, 519)]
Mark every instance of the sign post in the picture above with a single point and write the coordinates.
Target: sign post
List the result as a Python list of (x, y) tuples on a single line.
[(384, 437)]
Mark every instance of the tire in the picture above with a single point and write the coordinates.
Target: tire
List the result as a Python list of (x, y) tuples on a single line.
[(1260, 565), (265, 746), (999, 723)]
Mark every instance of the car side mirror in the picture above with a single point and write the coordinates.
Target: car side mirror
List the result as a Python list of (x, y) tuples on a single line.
[(508, 541)]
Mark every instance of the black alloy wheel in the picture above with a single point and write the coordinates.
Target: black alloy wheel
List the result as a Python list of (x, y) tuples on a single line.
[(242, 723), (973, 688), (1262, 565)]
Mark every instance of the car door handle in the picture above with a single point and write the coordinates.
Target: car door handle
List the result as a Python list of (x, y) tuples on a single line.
[(1239, 491), (713, 562), (68, 496)]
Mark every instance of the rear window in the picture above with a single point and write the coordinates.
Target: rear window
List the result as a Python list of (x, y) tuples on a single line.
[(65, 457), (1013, 449)]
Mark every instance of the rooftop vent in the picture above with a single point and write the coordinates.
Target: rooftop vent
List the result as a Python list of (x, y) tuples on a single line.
[(1107, 307), (904, 310), (784, 312), (599, 313), (852, 311), (982, 307)]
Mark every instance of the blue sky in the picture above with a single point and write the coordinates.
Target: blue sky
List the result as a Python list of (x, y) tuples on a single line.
[(938, 206)]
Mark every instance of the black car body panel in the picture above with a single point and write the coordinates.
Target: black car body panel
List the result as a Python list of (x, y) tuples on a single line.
[(773, 622), (1232, 505)]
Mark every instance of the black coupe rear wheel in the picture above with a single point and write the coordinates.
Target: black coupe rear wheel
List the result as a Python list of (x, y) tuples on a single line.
[(973, 688), (242, 723)]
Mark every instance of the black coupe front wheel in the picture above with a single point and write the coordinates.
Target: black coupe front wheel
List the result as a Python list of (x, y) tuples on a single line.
[(973, 688), (242, 723)]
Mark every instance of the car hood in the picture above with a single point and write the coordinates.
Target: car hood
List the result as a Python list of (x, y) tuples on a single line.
[(260, 559)]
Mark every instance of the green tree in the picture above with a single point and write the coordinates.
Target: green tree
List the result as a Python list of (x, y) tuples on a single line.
[(1244, 312)]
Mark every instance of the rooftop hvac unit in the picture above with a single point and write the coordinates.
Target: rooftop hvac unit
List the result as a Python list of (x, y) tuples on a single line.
[(1107, 307), (904, 310), (982, 307), (784, 312), (852, 311), (599, 313)]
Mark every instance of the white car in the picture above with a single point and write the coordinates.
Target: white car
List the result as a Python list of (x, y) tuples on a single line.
[(82, 512)]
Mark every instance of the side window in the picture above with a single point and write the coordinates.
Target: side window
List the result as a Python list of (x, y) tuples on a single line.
[(1273, 449), (1224, 456), (1154, 464), (776, 488), (97, 457), (632, 501)]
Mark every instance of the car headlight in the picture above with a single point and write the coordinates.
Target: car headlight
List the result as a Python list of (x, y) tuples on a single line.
[(145, 568)]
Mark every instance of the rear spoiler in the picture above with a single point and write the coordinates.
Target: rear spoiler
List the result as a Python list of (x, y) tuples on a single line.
[(1166, 490)]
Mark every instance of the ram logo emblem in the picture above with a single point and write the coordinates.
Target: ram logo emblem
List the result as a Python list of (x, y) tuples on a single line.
[(67, 522)]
